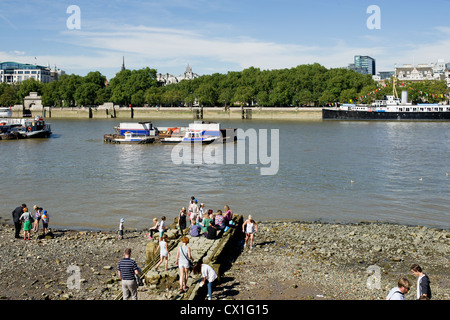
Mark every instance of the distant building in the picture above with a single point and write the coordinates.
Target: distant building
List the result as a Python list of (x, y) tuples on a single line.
[(167, 78), (14, 72), (420, 72), (386, 74), (363, 65)]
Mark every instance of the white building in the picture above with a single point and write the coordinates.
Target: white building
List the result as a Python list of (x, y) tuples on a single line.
[(419, 72), (168, 78), (14, 72)]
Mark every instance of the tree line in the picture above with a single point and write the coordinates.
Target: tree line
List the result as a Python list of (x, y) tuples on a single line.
[(304, 85)]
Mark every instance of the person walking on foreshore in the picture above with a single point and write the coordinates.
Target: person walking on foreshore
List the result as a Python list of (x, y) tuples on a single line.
[(249, 227), (28, 222), (423, 282), (127, 271), (184, 263), (398, 293), (17, 212), (163, 252)]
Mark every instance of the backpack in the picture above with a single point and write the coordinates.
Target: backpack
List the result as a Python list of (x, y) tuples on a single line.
[(44, 216)]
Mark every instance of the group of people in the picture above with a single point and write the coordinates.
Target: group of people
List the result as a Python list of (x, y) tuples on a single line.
[(30, 222), (202, 221), (404, 285), (128, 271)]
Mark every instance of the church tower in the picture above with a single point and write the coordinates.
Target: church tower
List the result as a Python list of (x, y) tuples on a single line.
[(123, 63)]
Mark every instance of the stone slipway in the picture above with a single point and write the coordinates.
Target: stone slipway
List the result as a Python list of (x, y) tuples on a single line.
[(202, 250)]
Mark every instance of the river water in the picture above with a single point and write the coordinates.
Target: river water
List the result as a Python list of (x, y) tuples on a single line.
[(332, 171)]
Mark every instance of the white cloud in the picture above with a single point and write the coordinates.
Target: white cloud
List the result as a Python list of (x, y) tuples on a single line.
[(165, 48)]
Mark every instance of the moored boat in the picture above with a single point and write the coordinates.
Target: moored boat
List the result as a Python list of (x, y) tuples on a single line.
[(133, 133), (25, 128), (390, 108)]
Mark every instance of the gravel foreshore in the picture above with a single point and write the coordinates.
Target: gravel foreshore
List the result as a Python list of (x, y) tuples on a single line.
[(290, 260)]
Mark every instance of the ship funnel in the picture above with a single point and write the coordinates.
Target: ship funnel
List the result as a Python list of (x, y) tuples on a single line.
[(404, 96)]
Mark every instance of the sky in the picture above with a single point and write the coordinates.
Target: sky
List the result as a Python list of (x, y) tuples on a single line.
[(218, 36)]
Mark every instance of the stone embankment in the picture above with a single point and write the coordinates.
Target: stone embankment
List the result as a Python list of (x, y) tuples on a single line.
[(111, 111), (291, 260)]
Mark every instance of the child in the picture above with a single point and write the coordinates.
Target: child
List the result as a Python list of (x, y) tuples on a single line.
[(153, 229), (45, 220), (252, 227), (121, 229), (38, 217), (162, 226), (163, 253), (26, 216), (195, 229)]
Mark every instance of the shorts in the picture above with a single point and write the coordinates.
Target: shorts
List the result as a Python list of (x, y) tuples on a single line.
[(44, 225), (120, 232), (27, 225)]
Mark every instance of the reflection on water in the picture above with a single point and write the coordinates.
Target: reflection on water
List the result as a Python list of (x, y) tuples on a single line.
[(85, 183)]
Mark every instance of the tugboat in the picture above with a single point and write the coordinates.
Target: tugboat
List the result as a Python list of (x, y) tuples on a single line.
[(390, 108), (24, 128)]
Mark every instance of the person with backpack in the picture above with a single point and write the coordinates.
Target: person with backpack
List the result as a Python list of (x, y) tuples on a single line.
[(45, 220), (398, 293)]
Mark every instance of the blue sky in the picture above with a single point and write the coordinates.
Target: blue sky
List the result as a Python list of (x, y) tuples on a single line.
[(221, 35)]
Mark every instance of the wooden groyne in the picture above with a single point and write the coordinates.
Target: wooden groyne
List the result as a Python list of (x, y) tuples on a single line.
[(209, 251)]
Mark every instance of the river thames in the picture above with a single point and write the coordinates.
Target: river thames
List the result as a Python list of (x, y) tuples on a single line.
[(332, 171)]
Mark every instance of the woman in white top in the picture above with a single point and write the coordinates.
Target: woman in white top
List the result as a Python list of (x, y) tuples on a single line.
[(249, 227), (184, 262)]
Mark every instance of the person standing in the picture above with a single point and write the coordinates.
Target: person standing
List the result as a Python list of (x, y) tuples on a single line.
[(398, 293), (163, 252), (208, 275), (17, 212), (38, 213), (182, 219), (45, 221), (249, 227), (121, 228), (127, 271), (28, 223), (184, 263), (423, 282)]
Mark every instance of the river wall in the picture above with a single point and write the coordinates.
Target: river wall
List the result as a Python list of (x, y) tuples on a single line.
[(174, 113)]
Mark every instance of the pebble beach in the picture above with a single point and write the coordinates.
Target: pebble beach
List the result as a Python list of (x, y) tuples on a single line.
[(289, 261)]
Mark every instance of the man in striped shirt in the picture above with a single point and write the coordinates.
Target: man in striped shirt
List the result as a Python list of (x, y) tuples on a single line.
[(127, 269)]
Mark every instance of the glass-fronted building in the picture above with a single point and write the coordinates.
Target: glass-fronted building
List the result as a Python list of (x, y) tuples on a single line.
[(365, 63), (14, 72)]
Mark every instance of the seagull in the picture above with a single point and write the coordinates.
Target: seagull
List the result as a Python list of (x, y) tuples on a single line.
[(420, 179), (446, 174), (351, 181)]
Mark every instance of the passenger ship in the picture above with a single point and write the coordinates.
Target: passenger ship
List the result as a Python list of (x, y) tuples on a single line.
[(390, 108)]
